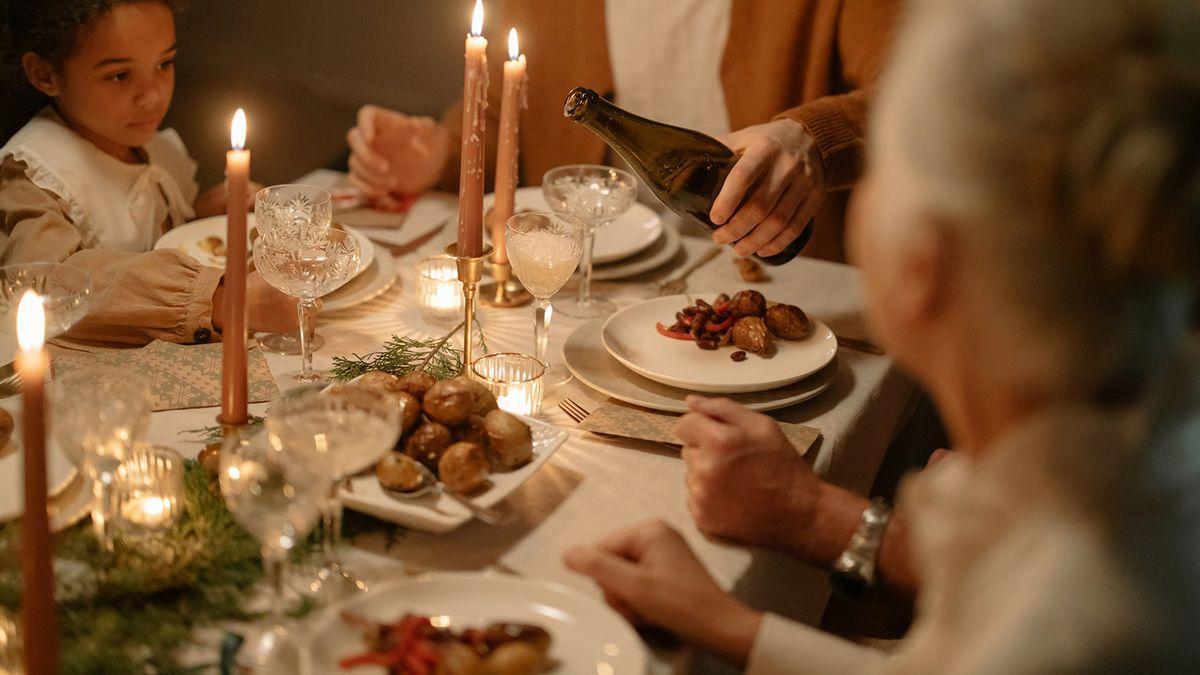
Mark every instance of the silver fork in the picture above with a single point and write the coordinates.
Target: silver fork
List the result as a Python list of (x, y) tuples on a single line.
[(679, 284), (573, 410)]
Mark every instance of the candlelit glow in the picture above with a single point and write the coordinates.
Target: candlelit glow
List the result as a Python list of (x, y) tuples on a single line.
[(514, 48), (477, 19), (237, 131), (31, 322)]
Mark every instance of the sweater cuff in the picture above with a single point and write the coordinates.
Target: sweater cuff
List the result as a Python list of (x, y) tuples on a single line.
[(839, 145), (783, 647), (198, 324)]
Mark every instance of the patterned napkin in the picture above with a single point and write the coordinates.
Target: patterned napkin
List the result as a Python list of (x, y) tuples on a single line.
[(178, 376), (616, 419)]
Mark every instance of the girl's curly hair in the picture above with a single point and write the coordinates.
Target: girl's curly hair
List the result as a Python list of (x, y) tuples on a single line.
[(52, 30)]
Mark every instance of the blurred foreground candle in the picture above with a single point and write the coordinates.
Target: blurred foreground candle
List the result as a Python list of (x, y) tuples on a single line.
[(474, 133), (233, 333), (37, 606), (439, 292), (517, 380), (511, 103), (149, 490)]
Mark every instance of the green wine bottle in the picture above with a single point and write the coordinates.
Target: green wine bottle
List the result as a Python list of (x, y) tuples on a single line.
[(685, 169)]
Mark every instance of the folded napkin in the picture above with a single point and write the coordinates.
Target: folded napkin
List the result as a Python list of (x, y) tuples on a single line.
[(616, 419), (178, 376)]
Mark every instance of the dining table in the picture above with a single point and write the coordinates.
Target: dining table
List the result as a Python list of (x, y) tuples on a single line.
[(596, 484)]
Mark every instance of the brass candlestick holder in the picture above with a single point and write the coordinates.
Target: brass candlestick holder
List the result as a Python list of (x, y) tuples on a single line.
[(470, 271), (504, 290)]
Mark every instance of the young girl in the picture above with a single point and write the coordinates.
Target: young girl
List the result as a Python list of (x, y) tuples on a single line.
[(87, 178)]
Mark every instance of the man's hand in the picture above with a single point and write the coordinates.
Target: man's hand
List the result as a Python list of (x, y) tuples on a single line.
[(745, 481), (396, 154), (771, 193), (649, 575)]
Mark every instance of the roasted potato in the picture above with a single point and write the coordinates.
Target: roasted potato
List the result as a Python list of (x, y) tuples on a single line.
[(513, 658), (749, 303), (750, 333), (458, 659), (399, 472), (509, 440), (485, 400), (377, 380), (450, 402), (410, 410), (464, 468), (416, 383), (788, 322), (427, 444), (471, 431)]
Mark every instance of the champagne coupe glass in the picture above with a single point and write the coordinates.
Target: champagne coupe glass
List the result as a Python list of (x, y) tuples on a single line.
[(544, 249), (298, 206), (66, 293), (274, 493), (597, 195), (306, 263), (346, 430), (96, 419)]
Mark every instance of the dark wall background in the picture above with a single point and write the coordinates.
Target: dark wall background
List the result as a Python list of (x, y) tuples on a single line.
[(302, 68)]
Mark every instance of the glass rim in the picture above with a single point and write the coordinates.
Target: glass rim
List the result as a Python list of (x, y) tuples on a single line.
[(579, 168), (493, 380), (323, 194), (508, 224), (423, 264)]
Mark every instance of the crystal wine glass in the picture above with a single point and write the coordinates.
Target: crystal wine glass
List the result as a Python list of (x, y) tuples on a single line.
[(65, 291), (274, 493), (347, 430), (544, 249), (597, 195), (291, 205), (96, 418), (306, 263)]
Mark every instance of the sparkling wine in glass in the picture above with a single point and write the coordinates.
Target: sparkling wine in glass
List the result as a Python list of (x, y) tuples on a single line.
[(275, 494), (597, 195), (342, 430), (544, 249), (306, 263), (291, 206)]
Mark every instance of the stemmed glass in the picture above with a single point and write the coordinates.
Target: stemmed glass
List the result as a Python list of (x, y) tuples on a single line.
[(346, 430), (273, 491), (597, 195), (544, 249), (65, 292), (306, 263), (297, 206), (96, 418)]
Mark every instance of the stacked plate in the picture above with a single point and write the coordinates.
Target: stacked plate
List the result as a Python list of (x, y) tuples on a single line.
[(625, 357), (204, 239), (633, 244)]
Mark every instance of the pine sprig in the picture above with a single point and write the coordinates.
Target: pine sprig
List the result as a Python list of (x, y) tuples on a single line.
[(402, 355)]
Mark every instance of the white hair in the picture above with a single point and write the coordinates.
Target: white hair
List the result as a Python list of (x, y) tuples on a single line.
[(1064, 135)]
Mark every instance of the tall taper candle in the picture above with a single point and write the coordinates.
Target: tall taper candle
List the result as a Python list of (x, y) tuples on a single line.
[(474, 134), (511, 102), (37, 606), (233, 333)]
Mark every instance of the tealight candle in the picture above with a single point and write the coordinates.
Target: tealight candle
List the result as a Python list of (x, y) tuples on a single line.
[(149, 488), (439, 292), (517, 380)]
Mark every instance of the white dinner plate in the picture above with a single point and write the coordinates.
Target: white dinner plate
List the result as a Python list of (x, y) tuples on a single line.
[(434, 513), (60, 473), (636, 229), (590, 362), (586, 635), (661, 252), (631, 337), (187, 238), (370, 284)]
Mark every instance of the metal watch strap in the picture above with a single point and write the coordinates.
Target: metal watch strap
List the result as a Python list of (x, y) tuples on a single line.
[(853, 574)]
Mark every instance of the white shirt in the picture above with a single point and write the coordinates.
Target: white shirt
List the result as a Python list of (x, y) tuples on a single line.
[(666, 60)]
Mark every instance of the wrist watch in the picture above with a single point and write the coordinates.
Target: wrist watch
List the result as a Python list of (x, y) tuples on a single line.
[(853, 574)]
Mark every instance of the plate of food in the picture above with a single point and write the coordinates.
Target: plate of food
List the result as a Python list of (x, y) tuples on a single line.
[(634, 231), (452, 433), (717, 343), (473, 623), (204, 240)]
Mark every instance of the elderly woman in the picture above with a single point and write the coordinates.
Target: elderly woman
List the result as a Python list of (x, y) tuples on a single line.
[(1029, 236)]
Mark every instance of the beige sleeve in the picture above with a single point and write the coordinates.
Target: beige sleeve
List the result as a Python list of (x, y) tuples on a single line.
[(786, 648), (137, 297)]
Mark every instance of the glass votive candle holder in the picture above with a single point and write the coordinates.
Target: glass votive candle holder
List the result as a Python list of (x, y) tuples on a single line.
[(517, 380), (439, 292), (148, 490)]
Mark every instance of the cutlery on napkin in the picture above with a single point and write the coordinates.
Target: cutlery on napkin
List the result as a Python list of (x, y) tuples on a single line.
[(178, 376), (624, 421)]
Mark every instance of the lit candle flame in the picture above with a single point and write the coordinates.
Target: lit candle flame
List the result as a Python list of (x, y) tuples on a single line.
[(31, 322), (237, 131), (514, 49), (477, 19)]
